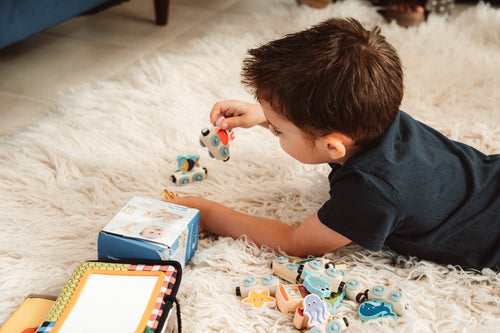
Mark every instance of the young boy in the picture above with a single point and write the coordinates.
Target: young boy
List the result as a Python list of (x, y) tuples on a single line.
[(331, 94)]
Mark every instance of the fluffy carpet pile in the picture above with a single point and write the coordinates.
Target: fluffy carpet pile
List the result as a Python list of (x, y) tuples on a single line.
[(64, 176)]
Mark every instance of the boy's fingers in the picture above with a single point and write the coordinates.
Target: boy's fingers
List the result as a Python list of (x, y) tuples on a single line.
[(221, 109), (227, 109), (230, 123), (215, 114)]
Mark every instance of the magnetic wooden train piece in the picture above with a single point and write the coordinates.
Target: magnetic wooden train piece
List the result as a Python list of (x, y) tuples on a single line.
[(188, 170), (296, 272), (216, 140), (258, 292), (377, 301)]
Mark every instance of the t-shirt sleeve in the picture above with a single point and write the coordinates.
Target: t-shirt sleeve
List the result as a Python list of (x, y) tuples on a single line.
[(363, 208)]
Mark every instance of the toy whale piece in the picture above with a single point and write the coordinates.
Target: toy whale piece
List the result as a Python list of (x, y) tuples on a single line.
[(316, 310), (186, 163), (374, 309)]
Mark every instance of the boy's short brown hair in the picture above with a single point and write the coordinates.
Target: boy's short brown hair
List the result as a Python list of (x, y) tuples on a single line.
[(335, 76)]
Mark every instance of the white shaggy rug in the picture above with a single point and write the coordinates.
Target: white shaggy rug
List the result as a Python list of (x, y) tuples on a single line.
[(65, 175)]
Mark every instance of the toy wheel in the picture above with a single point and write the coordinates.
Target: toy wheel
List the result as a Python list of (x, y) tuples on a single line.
[(282, 260), (379, 290), (184, 180), (268, 279), (198, 177), (224, 151), (201, 143), (334, 327), (210, 154), (362, 297), (329, 264), (249, 281), (333, 272), (316, 265), (352, 284), (173, 178), (396, 295), (215, 140)]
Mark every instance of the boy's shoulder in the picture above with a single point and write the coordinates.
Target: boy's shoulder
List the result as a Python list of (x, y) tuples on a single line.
[(409, 155), (396, 145), (405, 144)]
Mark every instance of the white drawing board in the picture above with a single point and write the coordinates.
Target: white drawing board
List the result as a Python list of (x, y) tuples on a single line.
[(112, 303)]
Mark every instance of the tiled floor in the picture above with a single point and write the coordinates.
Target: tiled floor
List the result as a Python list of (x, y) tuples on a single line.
[(35, 71)]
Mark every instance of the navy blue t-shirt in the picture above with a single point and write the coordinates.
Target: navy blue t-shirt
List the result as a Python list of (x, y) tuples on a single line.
[(421, 194)]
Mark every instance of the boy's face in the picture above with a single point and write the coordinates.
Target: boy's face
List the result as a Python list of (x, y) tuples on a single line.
[(292, 139)]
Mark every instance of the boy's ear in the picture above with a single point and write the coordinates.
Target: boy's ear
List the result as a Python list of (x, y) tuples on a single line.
[(336, 145)]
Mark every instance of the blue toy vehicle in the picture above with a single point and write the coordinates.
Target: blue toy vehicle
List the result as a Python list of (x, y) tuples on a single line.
[(189, 170)]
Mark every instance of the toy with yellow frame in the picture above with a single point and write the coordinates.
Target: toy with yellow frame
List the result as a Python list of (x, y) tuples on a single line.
[(118, 296)]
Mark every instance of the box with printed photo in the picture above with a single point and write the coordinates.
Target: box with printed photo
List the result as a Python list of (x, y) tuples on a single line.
[(150, 229)]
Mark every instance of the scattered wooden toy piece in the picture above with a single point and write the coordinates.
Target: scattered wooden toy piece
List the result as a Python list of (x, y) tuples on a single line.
[(331, 273), (312, 312), (258, 299), (317, 284), (167, 195), (395, 298), (188, 170), (356, 292), (289, 297), (374, 309), (216, 140), (314, 315), (267, 282), (293, 271)]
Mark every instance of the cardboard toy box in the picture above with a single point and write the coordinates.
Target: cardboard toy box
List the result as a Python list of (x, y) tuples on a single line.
[(150, 229)]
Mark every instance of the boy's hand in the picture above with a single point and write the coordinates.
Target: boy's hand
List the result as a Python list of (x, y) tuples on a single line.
[(238, 114)]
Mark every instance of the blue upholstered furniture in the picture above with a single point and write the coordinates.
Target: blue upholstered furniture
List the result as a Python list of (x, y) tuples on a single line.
[(22, 18)]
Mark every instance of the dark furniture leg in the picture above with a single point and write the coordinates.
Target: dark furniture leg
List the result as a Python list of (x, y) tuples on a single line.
[(161, 11)]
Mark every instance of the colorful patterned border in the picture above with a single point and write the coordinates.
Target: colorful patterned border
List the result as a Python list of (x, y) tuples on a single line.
[(168, 285)]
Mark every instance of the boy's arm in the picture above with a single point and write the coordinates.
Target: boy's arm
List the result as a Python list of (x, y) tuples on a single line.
[(310, 238), (238, 114)]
